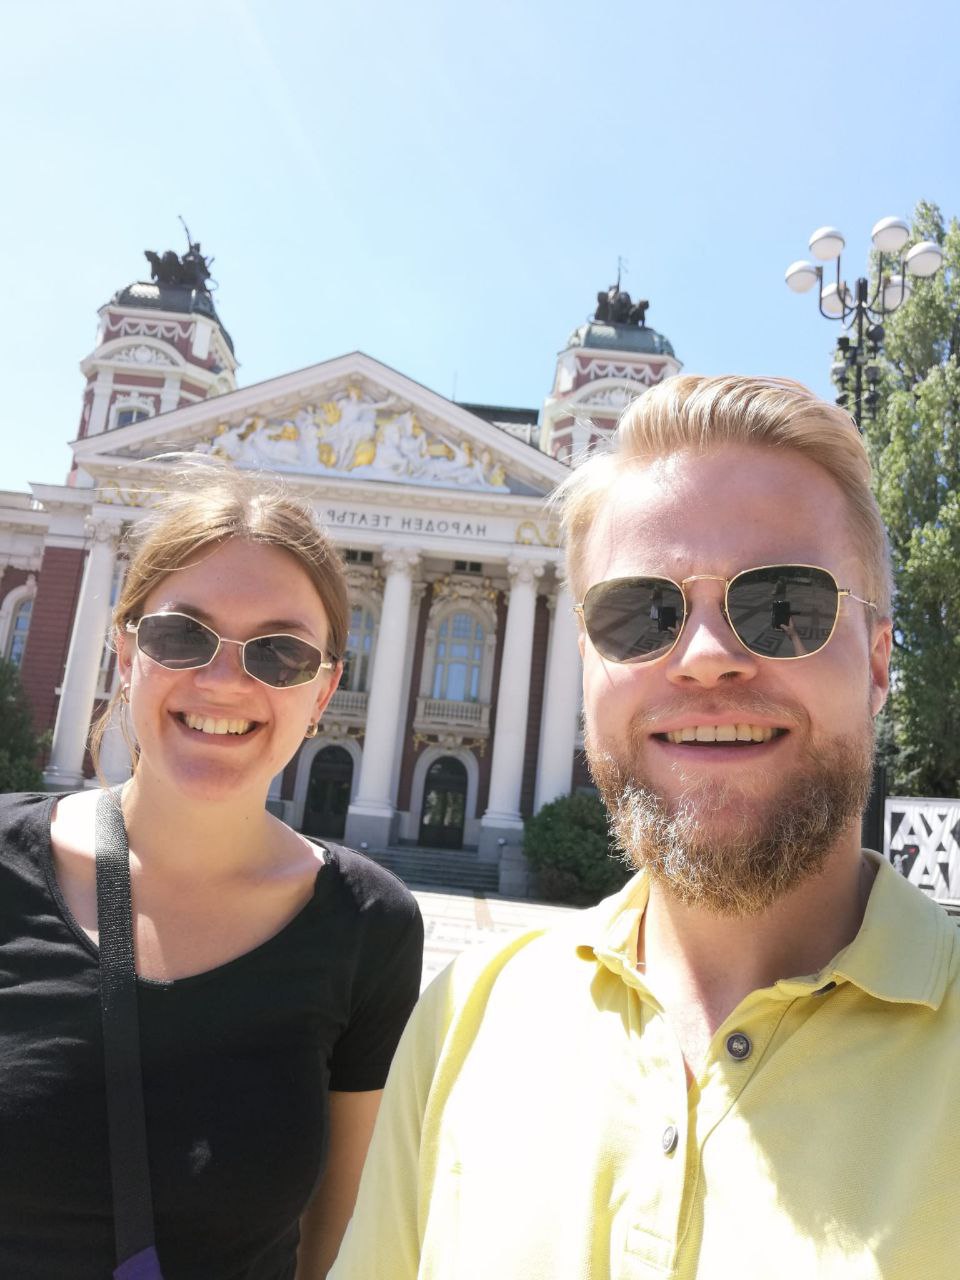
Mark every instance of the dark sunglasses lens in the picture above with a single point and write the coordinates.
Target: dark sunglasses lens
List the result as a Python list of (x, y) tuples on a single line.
[(281, 661), (176, 641), (633, 619), (787, 611)]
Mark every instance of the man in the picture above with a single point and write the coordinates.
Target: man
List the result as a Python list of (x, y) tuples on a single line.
[(701, 1077)]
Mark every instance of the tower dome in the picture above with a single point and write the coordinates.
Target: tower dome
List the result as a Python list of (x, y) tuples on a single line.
[(610, 336), (162, 296)]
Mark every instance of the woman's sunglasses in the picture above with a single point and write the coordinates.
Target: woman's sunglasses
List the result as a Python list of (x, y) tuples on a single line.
[(780, 611), (181, 643)]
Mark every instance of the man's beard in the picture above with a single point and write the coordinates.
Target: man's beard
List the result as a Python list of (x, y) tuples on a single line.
[(764, 849)]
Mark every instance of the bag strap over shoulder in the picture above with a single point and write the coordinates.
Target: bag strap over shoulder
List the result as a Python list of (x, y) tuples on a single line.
[(129, 1169)]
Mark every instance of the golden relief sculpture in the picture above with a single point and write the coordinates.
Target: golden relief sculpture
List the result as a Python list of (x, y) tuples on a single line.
[(357, 435)]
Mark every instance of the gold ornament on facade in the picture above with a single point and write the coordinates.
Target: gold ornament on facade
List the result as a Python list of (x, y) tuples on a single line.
[(112, 494), (529, 534), (286, 431), (363, 454), (440, 449), (458, 587)]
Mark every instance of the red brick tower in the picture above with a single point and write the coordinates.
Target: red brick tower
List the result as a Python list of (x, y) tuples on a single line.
[(606, 363), (160, 346)]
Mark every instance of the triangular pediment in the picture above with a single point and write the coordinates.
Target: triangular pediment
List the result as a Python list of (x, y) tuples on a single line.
[(351, 419)]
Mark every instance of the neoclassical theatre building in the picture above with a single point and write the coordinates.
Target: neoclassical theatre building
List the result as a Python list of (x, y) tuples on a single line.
[(458, 711)]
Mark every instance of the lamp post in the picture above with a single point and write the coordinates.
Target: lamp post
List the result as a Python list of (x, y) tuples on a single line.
[(861, 312), (858, 350)]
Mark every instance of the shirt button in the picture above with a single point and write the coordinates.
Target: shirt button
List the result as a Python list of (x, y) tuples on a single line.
[(669, 1139), (739, 1046)]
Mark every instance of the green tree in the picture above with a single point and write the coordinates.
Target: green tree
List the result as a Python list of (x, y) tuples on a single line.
[(568, 845), (914, 441), (19, 746)]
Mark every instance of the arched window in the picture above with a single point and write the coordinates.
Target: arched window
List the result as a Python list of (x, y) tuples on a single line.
[(360, 641), (459, 658), (19, 627)]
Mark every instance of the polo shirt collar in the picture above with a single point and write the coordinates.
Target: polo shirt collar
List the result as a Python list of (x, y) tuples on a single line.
[(901, 954), (903, 950)]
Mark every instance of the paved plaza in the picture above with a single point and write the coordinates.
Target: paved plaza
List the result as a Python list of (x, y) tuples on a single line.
[(455, 921)]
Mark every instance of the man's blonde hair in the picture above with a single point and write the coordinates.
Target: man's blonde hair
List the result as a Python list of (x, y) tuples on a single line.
[(703, 414)]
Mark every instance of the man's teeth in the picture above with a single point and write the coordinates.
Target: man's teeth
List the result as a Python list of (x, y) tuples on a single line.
[(207, 725), (721, 733)]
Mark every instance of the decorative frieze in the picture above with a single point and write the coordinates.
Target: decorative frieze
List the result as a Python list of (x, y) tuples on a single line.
[(454, 586), (355, 435), (645, 371), (333, 730), (364, 579), (141, 355), (129, 326)]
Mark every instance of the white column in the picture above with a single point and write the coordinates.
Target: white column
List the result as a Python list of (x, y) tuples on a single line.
[(170, 394), (561, 704), (102, 391), (83, 659), (371, 815), (502, 821)]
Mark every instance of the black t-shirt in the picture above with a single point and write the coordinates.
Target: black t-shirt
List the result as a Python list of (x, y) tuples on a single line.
[(237, 1064)]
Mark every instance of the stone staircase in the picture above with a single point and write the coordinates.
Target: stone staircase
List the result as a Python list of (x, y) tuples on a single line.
[(459, 870)]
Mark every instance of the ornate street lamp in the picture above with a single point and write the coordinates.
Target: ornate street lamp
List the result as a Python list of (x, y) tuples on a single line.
[(863, 314)]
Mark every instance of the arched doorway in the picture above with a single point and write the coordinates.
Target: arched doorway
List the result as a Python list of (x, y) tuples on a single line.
[(444, 804), (328, 793)]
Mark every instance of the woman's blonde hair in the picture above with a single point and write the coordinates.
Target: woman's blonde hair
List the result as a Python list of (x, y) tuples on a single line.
[(209, 502), (701, 413)]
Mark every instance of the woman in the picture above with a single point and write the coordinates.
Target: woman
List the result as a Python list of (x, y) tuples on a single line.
[(275, 974)]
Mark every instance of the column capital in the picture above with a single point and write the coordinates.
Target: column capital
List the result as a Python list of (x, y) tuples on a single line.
[(400, 560), (524, 572), (101, 528)]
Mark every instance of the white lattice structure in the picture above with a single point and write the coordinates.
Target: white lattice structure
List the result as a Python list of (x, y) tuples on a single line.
[(922, 839)]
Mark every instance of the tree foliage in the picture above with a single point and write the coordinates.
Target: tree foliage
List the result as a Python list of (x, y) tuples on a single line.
[(19, 745), (568, 844), (914, 441)]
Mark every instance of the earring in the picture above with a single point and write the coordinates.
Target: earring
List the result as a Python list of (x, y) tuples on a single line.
[(312, 729), (125, 693)]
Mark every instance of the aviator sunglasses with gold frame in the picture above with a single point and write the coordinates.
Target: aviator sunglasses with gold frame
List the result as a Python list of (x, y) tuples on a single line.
[(769, 608)]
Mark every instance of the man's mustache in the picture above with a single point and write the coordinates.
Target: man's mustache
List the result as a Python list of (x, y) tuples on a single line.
[(741, 708)]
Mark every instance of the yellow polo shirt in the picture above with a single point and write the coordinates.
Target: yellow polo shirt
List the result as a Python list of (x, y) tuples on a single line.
[(537, 1123)]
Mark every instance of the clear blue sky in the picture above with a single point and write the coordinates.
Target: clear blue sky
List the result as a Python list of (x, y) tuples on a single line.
[(446, 186)]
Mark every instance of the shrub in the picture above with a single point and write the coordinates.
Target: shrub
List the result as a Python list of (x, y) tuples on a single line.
[(19, 745), (568, 844)]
